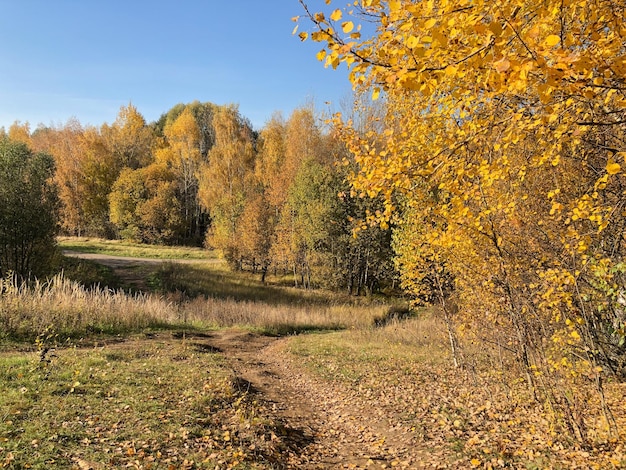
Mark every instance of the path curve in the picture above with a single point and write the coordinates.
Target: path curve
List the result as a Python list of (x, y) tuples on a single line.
[(326, 425), (132, 270)]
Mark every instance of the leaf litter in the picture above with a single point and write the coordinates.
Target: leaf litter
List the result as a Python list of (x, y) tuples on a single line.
[(235, 399)]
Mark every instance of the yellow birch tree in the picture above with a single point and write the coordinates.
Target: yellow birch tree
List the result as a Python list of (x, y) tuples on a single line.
[(504, 139)]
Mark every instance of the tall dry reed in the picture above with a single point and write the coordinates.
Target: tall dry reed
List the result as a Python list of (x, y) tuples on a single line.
[(281, 319), (68, 308)]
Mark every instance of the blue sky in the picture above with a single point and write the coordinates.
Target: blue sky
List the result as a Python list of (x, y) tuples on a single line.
[(86, 58)]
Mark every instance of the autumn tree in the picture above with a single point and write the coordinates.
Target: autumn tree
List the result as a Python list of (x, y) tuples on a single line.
[(225, 179), (264, 201), (203, 114), (19, 132), (28, 210), (182, 151), (88, 161), (145, 205), (308, 213), (270, 163), (99, 168), (284, 147), (504, 137), (129, 139), (256, 228), (365, 259), (63, 143)]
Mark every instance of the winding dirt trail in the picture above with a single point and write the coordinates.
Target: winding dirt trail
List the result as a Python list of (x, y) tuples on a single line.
[(324, 424)]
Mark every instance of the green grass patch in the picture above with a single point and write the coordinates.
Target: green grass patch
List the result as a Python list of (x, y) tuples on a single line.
[(218, 281), (134, 250), (369, 353), (147, 403), (88, 273)]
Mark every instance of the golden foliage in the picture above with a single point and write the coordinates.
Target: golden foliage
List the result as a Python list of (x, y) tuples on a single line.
[(504, 140)]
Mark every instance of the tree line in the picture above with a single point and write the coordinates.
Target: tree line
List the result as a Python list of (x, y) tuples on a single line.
[(274, 200)]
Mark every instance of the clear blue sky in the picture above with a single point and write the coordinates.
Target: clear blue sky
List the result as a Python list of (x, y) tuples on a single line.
[(86, 58)]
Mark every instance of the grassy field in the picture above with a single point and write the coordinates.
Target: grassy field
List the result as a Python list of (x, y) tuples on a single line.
[(160, 404), (133, 250), (73, 395)]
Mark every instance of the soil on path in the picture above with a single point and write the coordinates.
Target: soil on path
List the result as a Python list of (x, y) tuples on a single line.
[(325, 425)]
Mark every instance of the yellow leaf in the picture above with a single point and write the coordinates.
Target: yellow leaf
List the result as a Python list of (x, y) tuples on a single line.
[(303, 36), (321, 54), (430, 23), (375, 94), (613, 168), (347, 26), (451, 70), (496, 28), (336, 15), (552, 40), (412, 42), (574, 334), (475, 462), (394, 5)]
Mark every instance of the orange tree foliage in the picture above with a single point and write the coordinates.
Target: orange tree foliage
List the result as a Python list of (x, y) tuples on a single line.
[(88, 161), (85, 173), (63, 143), (19, 132), (504, 141)]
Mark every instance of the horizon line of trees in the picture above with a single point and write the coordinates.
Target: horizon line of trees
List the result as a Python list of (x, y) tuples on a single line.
[(276, 199)]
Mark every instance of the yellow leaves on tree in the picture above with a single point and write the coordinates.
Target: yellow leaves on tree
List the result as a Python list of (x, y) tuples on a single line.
[(129, 139), (336, 15), (183, 137), (224, 178), (144, 205), (491, 106)]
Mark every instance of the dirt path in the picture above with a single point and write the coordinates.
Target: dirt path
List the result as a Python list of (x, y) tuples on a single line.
[(133, 271), (324, 424)]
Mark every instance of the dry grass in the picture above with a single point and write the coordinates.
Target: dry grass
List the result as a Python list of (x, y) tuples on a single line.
[(71, 310), (279, 319)]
